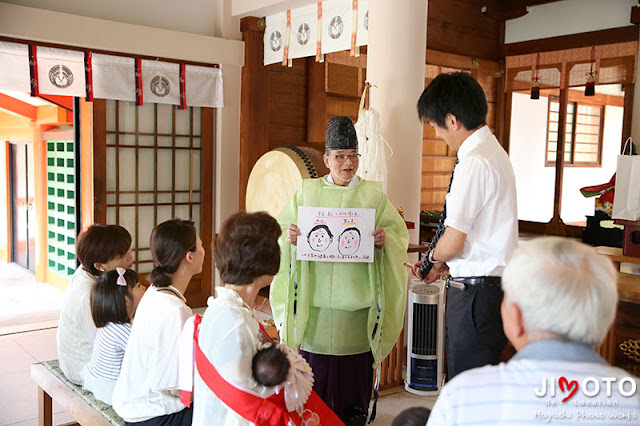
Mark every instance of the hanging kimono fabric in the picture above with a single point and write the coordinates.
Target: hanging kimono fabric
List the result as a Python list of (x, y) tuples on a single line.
[(336, 26), (113, 77), (373, 164), (362, 33), (274, 38), (61, 72), (304, 32), (14, 67)]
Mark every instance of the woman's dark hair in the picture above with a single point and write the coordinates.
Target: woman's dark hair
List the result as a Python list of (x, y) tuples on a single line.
[(170, 242), (321, 226), (108, 302), (270, 366), (247, 247), (100, 244), (455, 93)]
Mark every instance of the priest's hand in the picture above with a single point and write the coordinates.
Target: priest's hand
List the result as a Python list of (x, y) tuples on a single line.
[(379, 236), (293, 232)]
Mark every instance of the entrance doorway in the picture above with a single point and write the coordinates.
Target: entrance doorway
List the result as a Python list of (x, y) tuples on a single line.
[(22, 190)]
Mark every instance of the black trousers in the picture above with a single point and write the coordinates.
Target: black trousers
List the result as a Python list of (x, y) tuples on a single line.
[(181, 418), (473, 328)]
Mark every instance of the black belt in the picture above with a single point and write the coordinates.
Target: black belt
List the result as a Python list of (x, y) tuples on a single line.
[(461, 283)]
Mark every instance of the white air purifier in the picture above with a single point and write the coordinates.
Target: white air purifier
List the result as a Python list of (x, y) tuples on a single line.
[(425, 340)]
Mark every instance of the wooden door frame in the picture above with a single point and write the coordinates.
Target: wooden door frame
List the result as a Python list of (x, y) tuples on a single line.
[(202, 284)]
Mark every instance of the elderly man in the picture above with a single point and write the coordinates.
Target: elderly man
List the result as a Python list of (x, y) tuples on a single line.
[(345, 317), (560, 299)]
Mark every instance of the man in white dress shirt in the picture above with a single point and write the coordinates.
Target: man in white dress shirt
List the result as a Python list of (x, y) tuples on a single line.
[(560, 299), (479, 229)]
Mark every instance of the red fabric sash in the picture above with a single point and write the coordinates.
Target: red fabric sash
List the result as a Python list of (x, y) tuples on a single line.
[(269, 411)]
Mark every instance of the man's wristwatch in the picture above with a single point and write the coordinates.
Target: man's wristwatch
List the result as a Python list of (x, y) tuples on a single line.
[(430, 257), (427, 265)]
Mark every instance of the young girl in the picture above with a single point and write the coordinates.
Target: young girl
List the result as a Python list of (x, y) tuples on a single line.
[(114, 300), (100, 248), (147, 390)]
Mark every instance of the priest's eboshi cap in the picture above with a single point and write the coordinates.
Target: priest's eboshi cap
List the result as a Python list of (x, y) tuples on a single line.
[(341, 134)]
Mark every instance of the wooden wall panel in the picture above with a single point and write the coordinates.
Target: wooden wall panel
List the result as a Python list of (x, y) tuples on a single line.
[(460, 27)]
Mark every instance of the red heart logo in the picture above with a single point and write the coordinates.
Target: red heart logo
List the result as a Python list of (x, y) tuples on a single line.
[(570, 385)]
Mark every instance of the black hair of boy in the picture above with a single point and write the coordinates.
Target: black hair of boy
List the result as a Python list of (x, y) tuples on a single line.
[(108, 298), (247, 247), (100, 244), (270, 366), (170, 242), (455, 93), (414, 416)]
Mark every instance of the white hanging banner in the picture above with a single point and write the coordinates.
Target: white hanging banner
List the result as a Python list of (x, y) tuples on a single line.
[(14, 67), (304, 31), (61, 72), (161, 82), (274, 38), (336, 26), (114, 77), (204, 86), (362, 35)]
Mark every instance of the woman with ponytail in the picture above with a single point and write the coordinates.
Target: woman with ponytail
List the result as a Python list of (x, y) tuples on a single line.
[(147, 390)]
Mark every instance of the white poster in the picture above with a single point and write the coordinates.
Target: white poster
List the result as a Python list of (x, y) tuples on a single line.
[(362, 35), (274, 38), (304, 31), (336, 26), (336, 234), (61, 72), (161, 82), (14, 67)]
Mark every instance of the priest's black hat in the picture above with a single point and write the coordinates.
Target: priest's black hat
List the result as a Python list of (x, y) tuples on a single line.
[(341, 134)]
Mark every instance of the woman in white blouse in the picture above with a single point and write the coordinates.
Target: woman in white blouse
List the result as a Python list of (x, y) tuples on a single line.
[(247, 255), (146, 392)]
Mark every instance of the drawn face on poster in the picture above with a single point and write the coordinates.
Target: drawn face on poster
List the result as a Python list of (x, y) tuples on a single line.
[(320, 237), (349, 241)]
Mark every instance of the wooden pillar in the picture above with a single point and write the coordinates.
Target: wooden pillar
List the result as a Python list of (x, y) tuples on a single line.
[(396, 67), (556, 226), (317, 109), (254, 102)]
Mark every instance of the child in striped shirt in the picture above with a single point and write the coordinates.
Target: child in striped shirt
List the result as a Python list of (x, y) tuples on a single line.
[(114, 300)]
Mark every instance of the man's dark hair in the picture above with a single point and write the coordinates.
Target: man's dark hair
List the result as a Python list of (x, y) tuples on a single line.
[(100, 244), (455, 93), (270, 366), (414, 416), (247, 247), (350, 229)]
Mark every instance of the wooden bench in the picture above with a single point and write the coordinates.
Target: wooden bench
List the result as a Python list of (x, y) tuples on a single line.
[(78, 402)]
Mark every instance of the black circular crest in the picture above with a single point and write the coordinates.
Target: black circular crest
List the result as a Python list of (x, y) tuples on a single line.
[(60, 76), (336, 27), (275, 41), (304, 32), (160, 86)]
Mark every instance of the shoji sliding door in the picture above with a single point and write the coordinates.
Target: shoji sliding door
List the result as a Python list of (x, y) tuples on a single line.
[(153, 163)]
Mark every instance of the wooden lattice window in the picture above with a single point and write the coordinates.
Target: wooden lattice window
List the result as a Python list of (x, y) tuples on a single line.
[(584, 125), (158, 165)]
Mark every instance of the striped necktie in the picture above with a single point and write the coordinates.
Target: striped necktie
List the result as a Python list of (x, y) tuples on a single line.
[(441, 227)]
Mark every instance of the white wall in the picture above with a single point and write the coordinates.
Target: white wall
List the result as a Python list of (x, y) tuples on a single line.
[(568, 17), (535, 183)]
